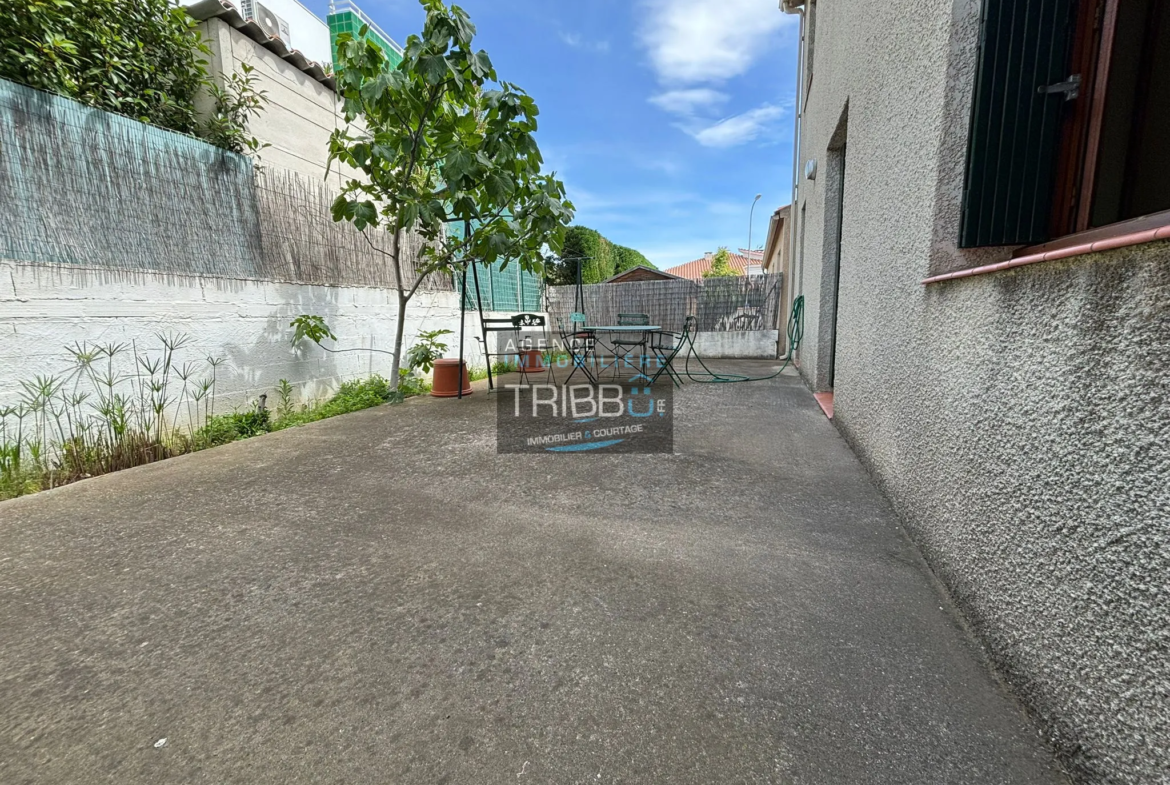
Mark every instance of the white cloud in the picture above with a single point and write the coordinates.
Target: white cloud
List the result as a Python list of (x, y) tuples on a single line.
[(696, 41), (735, 130), (577, 42), (625, 199), (687, 102)]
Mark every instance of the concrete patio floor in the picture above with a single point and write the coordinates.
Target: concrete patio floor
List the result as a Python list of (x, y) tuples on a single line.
[(380, 598)]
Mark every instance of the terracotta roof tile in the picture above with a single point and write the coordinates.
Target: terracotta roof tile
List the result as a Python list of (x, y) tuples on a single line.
[(225, 10), (736, 261)]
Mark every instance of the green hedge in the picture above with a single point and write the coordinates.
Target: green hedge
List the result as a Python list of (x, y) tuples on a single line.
[(139, 58), (628, 259), (602, 259)]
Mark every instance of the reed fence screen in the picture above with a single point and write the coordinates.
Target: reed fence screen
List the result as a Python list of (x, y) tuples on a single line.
[(85, 187), (739, 304)]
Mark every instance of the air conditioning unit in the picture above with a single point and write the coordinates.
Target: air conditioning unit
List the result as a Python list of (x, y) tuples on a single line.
[(272, 24)]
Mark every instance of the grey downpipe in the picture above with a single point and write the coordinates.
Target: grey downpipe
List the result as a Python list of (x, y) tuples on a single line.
[(796, 133)]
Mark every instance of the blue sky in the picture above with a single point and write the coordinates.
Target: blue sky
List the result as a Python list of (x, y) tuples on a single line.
[(664, 117)]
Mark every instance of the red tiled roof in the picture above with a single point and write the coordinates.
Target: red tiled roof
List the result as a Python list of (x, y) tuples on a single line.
[(641, 273), (693, 271)]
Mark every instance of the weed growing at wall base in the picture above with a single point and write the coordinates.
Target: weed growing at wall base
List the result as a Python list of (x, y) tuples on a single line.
[(350, 397), (120, 407)]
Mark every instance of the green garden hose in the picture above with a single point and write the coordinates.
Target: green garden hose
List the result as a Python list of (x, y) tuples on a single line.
[(707, 376)]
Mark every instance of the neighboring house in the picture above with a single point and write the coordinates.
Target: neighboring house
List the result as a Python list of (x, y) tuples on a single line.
[(300, 29), (297, 26), (778, 247), (346, 17), (642, 273), (980, 224), (739, 262), (776, 256), (302, 108)]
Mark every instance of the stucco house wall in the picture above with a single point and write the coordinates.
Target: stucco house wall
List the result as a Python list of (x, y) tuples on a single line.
[(1018, 421), (777, 261)]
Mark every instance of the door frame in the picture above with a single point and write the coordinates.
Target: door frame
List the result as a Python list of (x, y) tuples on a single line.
[(834, 219)]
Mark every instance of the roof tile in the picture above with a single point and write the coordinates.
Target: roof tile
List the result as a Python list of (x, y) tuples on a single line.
[(736, 261)]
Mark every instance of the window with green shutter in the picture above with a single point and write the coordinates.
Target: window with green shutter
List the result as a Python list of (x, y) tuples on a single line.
[(1069, 118), (1021, 88)]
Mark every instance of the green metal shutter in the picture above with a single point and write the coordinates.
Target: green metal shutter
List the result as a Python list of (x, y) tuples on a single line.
[(1015, 129)]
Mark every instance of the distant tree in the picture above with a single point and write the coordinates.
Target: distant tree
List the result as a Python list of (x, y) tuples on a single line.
[(628, 259), (587, 248), (720, 267), (599, 258)]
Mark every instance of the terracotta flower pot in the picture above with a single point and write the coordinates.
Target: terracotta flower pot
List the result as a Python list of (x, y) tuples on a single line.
[(532, 361), (445, 382)]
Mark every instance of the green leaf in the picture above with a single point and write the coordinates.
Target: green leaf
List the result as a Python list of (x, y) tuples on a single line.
[(373, 89), (364, 214), (499, 187), (464, 29), (433, 69), (408, 215), (481, 64), (458, 166)]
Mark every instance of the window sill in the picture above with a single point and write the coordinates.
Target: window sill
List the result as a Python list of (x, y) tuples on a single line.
[(1121, 235), (825, 401)]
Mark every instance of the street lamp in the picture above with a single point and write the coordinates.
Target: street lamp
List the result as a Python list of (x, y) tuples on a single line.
[(751, 216)]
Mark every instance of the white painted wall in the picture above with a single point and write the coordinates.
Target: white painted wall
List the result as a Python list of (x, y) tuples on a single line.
[(757, 344), (44, 308)]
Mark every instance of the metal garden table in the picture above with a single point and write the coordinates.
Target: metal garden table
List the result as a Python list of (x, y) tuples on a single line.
[(618, 329)]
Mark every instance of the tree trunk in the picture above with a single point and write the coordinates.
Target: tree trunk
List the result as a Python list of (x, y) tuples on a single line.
[(395, 377), (403, 299)]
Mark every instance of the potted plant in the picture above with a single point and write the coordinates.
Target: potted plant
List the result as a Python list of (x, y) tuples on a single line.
[(427, 355), (533, 360)]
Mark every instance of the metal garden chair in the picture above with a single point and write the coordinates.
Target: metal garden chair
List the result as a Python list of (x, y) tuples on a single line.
[(526, 324), (580, 344), (666, 346), (623, 344), (515, 343)]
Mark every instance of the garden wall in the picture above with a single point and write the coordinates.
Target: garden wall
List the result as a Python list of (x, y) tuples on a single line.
[(44, 309), (116, 231), (735, 317)]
